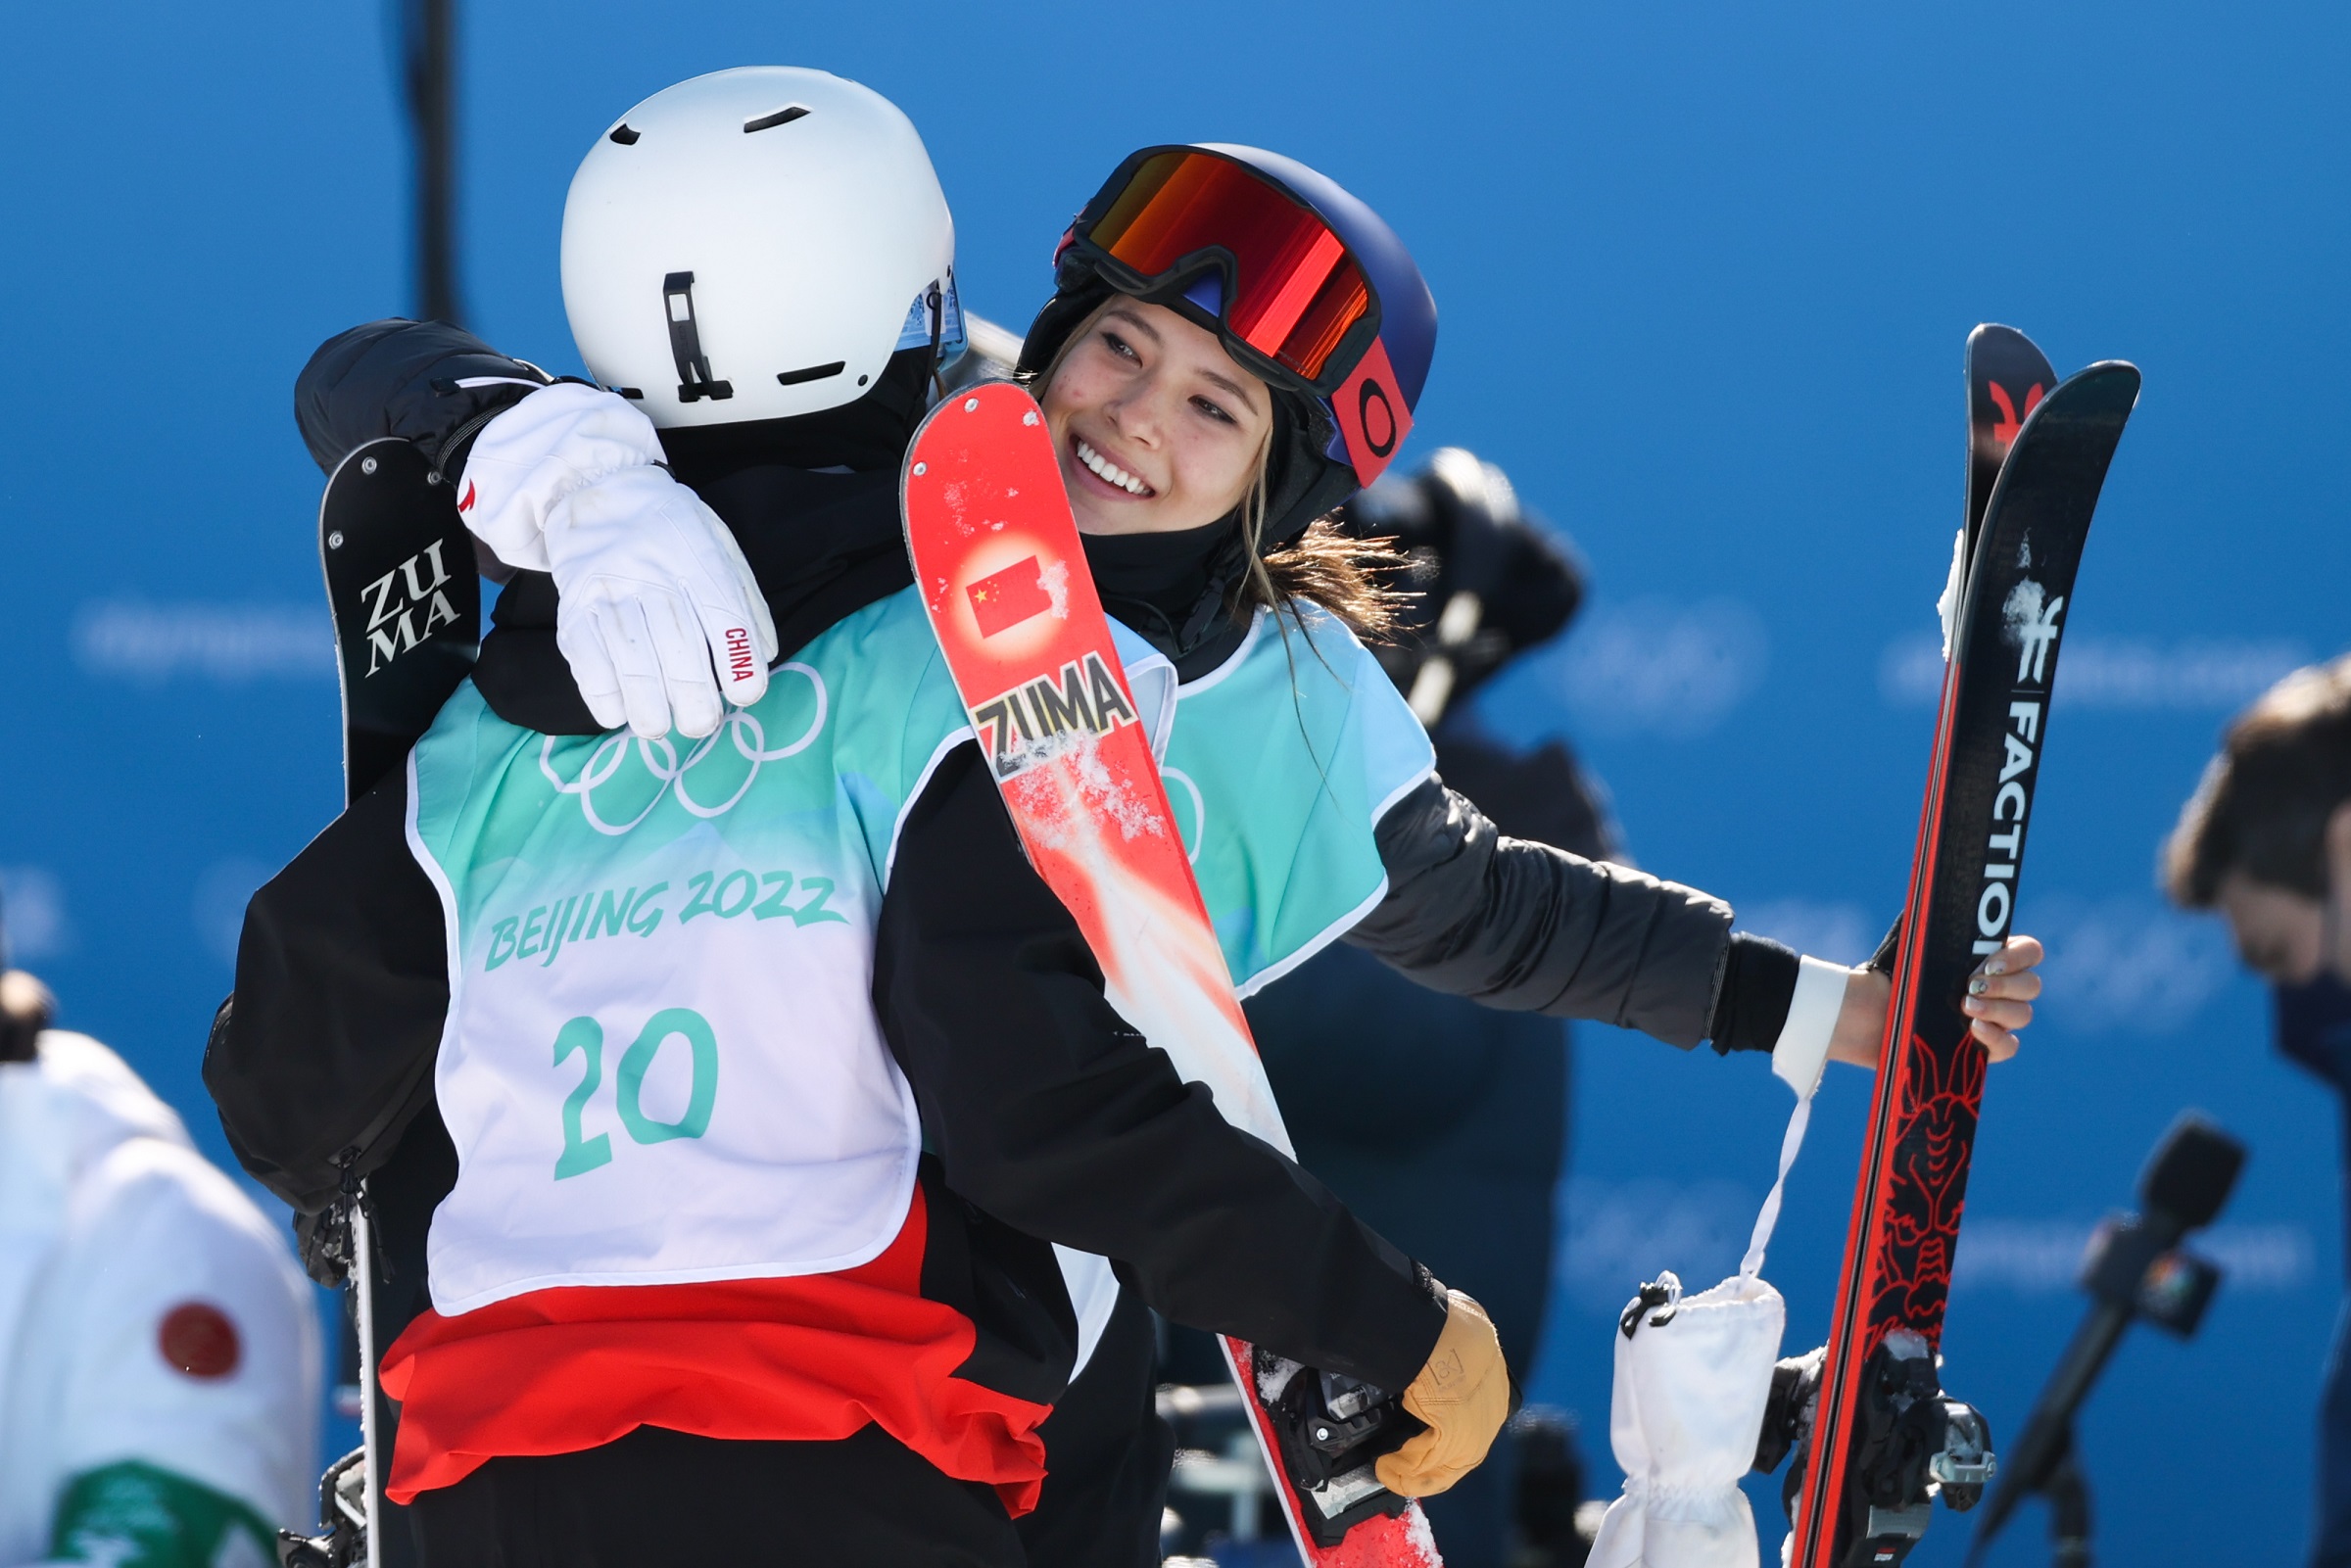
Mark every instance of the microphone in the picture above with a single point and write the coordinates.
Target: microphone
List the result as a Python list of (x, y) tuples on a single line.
[(2132, 1269)]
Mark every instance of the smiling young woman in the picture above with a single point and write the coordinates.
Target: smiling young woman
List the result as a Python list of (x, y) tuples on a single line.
[(1236, 344), (1161, 432)]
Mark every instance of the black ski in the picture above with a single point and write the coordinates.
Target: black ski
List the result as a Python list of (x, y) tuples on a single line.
[(2006, 379), (1885, 1442), (404, 586), (406, 597)]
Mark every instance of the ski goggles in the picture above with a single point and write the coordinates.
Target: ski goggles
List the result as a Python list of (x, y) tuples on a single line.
[(1294, 304)]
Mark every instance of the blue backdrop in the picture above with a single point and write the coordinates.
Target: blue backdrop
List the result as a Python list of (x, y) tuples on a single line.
[(1704, 272)]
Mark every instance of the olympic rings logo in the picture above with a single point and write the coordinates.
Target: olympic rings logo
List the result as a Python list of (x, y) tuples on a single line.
[(1199, 810), (660, 758)]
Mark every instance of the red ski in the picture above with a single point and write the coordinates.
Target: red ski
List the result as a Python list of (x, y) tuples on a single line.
[(1885, 1442), (998, 563)]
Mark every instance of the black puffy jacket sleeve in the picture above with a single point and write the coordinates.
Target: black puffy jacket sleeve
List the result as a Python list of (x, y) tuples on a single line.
[(325, 1051), (424, 381), (1053, 1114), (1524, 926)]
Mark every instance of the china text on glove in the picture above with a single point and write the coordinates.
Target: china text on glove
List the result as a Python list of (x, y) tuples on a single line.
[(1463, 1393), (659, 618)]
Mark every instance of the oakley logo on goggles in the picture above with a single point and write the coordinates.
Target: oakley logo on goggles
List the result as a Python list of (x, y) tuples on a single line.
[(1293, 299)]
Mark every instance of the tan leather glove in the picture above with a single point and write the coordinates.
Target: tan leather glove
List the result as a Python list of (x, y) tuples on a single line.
[(1463, 1393)]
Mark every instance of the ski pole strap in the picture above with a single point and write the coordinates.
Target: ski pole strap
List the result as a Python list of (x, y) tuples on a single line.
[(1796, 1059)]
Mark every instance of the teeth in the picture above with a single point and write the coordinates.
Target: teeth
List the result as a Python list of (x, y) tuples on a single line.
[(1106, 469)]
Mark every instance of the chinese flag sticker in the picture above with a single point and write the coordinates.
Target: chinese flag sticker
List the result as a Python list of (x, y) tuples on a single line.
[(1004, 599)]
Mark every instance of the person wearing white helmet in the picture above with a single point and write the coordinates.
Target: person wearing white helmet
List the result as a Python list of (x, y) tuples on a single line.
[(723, 1088), (159, 1376)]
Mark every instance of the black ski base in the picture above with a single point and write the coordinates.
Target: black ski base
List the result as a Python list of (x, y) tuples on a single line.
[(405, 591)]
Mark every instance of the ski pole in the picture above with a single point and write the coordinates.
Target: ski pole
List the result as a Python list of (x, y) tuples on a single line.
[(363, 1281)]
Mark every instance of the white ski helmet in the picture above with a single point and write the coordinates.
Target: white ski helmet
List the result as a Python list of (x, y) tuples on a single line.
[(755, 244)]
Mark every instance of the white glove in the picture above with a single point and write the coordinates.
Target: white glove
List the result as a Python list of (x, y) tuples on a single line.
[(1692, 1382), (660, 617)]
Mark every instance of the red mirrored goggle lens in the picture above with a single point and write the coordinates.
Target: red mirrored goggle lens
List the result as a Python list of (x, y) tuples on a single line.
[(1296, 291)]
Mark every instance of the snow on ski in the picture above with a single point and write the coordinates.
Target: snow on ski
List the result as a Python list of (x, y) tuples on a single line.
[(1881, 1398), (1004, 580), (406, 599)]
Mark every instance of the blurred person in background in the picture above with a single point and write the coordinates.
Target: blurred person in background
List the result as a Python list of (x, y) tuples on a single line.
[(1445, 1123), (2266, 842), (159, 1355)]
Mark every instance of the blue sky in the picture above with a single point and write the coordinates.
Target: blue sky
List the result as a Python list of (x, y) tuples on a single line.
[(1703, 271)]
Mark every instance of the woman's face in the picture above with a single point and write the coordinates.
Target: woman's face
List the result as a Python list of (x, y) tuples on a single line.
[(1158, 428)]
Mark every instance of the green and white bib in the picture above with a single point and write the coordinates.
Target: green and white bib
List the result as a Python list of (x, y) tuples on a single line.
[(662, 1063), (1278, 764)]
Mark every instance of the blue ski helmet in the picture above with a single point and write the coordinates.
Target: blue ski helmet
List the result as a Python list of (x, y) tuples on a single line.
[(1304, 284)]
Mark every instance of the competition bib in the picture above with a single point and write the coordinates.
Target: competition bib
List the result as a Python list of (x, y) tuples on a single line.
[(661, 1064)]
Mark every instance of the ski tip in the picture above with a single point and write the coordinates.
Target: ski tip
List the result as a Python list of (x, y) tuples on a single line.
[(991, 401), (1992, 338), (992, 404), (2107, 385), (1996, 352), (2106, 391), (991, 396)]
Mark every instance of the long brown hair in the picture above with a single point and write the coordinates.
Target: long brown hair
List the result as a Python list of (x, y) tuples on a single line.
[(1352, 579)]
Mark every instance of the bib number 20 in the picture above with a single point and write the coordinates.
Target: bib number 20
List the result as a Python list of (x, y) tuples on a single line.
[(586, 1037)]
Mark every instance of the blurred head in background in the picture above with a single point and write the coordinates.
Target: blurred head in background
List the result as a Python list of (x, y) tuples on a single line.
[(2266, 840), (26, 1008), (1487, 582)]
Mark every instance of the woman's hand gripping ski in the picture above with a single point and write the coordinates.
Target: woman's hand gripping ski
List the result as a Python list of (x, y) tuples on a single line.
[(1998, 1003)]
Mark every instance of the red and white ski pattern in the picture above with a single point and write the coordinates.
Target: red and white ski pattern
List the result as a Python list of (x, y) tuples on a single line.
[(1003, 577)]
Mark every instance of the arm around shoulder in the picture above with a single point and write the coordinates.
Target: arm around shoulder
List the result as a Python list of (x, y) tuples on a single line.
[(1527, 927), (424, 381), (329, 1043)]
